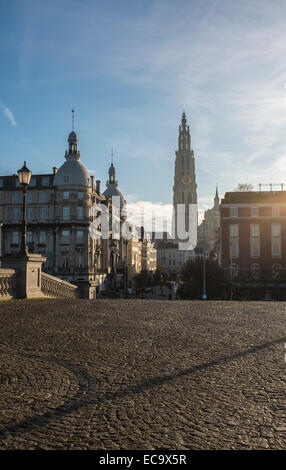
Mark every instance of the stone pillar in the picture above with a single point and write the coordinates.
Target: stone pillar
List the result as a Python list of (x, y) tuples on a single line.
[(1, 243), (87, 288), (28, 274)]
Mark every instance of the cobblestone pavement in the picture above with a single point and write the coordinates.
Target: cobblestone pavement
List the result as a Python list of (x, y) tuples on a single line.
[(142, 374)]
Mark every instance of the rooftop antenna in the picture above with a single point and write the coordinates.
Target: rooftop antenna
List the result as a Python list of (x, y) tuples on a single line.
[(73, 118)]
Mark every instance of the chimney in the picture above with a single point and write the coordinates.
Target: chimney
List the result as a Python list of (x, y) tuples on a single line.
[(98, 186), (92, 182), (55, 170)]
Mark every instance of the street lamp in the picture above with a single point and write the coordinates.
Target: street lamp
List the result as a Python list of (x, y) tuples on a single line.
[(231, 273), (204, 295), (125, 265), (113, 250), (24, 175)]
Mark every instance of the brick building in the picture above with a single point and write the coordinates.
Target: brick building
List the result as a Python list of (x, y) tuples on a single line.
[(253, 243)]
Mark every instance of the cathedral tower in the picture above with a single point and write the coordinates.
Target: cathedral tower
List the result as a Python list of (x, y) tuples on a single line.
[(185, 187)]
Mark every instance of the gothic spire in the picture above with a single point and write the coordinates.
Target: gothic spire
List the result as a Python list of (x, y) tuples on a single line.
[(184, 141), (216, 198)]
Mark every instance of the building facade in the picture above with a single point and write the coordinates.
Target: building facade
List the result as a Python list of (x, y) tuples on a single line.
[(148, 256), (253, 243), (58, 218), (209, 229)]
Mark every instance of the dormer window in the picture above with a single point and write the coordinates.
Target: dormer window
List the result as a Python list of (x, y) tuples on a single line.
[(45, 181)]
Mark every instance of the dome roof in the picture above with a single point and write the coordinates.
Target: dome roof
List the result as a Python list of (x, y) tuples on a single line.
[(111, 191), (72, 172)]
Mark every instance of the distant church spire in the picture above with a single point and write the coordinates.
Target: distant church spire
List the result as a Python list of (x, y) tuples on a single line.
[(216, 198), (216, 192)]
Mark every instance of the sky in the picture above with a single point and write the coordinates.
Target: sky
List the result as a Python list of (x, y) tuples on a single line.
[(129, 68)]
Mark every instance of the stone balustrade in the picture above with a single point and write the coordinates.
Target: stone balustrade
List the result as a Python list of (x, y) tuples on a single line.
[(7, 284), (57, 288)]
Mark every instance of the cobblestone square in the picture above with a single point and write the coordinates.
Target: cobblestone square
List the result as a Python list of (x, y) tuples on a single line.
[(142, 374)]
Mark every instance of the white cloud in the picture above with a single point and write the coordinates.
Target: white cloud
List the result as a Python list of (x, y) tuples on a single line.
[(8, 114)]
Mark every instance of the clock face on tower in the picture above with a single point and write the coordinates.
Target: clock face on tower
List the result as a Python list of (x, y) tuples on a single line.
[(186, 179)]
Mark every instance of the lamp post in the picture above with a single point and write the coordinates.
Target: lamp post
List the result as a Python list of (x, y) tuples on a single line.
[(125, 265), (1, 228), (113, 250), (204, 295), (231, 286), (24, 175)]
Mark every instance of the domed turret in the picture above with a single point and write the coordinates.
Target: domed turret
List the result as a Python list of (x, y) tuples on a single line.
[(112, 185), (72, 172)]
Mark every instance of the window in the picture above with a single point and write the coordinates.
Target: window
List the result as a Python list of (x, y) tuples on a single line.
[(33, 181), (65, 236), (45, 181), (66, 179), (66, 212), (43, 213), (66, 195), (233, 241), (80, 195), (254, 240), (29, 213), (79, 236), (1, 182), (15, 213), (255, 271), (16, 197), (29, 237), (276, 240), (80, 212), (42, 196), (275, 211), (43, 237), (233, 212), (79, 260), (29, 197), (234, 271), (254, 211), (66, 261), (276, 272), (15, 238)]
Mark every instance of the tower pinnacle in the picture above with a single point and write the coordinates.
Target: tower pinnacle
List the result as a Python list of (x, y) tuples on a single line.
[(184, 140), (73, 119)]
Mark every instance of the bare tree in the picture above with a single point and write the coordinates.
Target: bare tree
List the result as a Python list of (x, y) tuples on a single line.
[(244, 187)]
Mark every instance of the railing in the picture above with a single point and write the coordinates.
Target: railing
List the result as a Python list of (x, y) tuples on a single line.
[(54, 287), (7, 284)]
